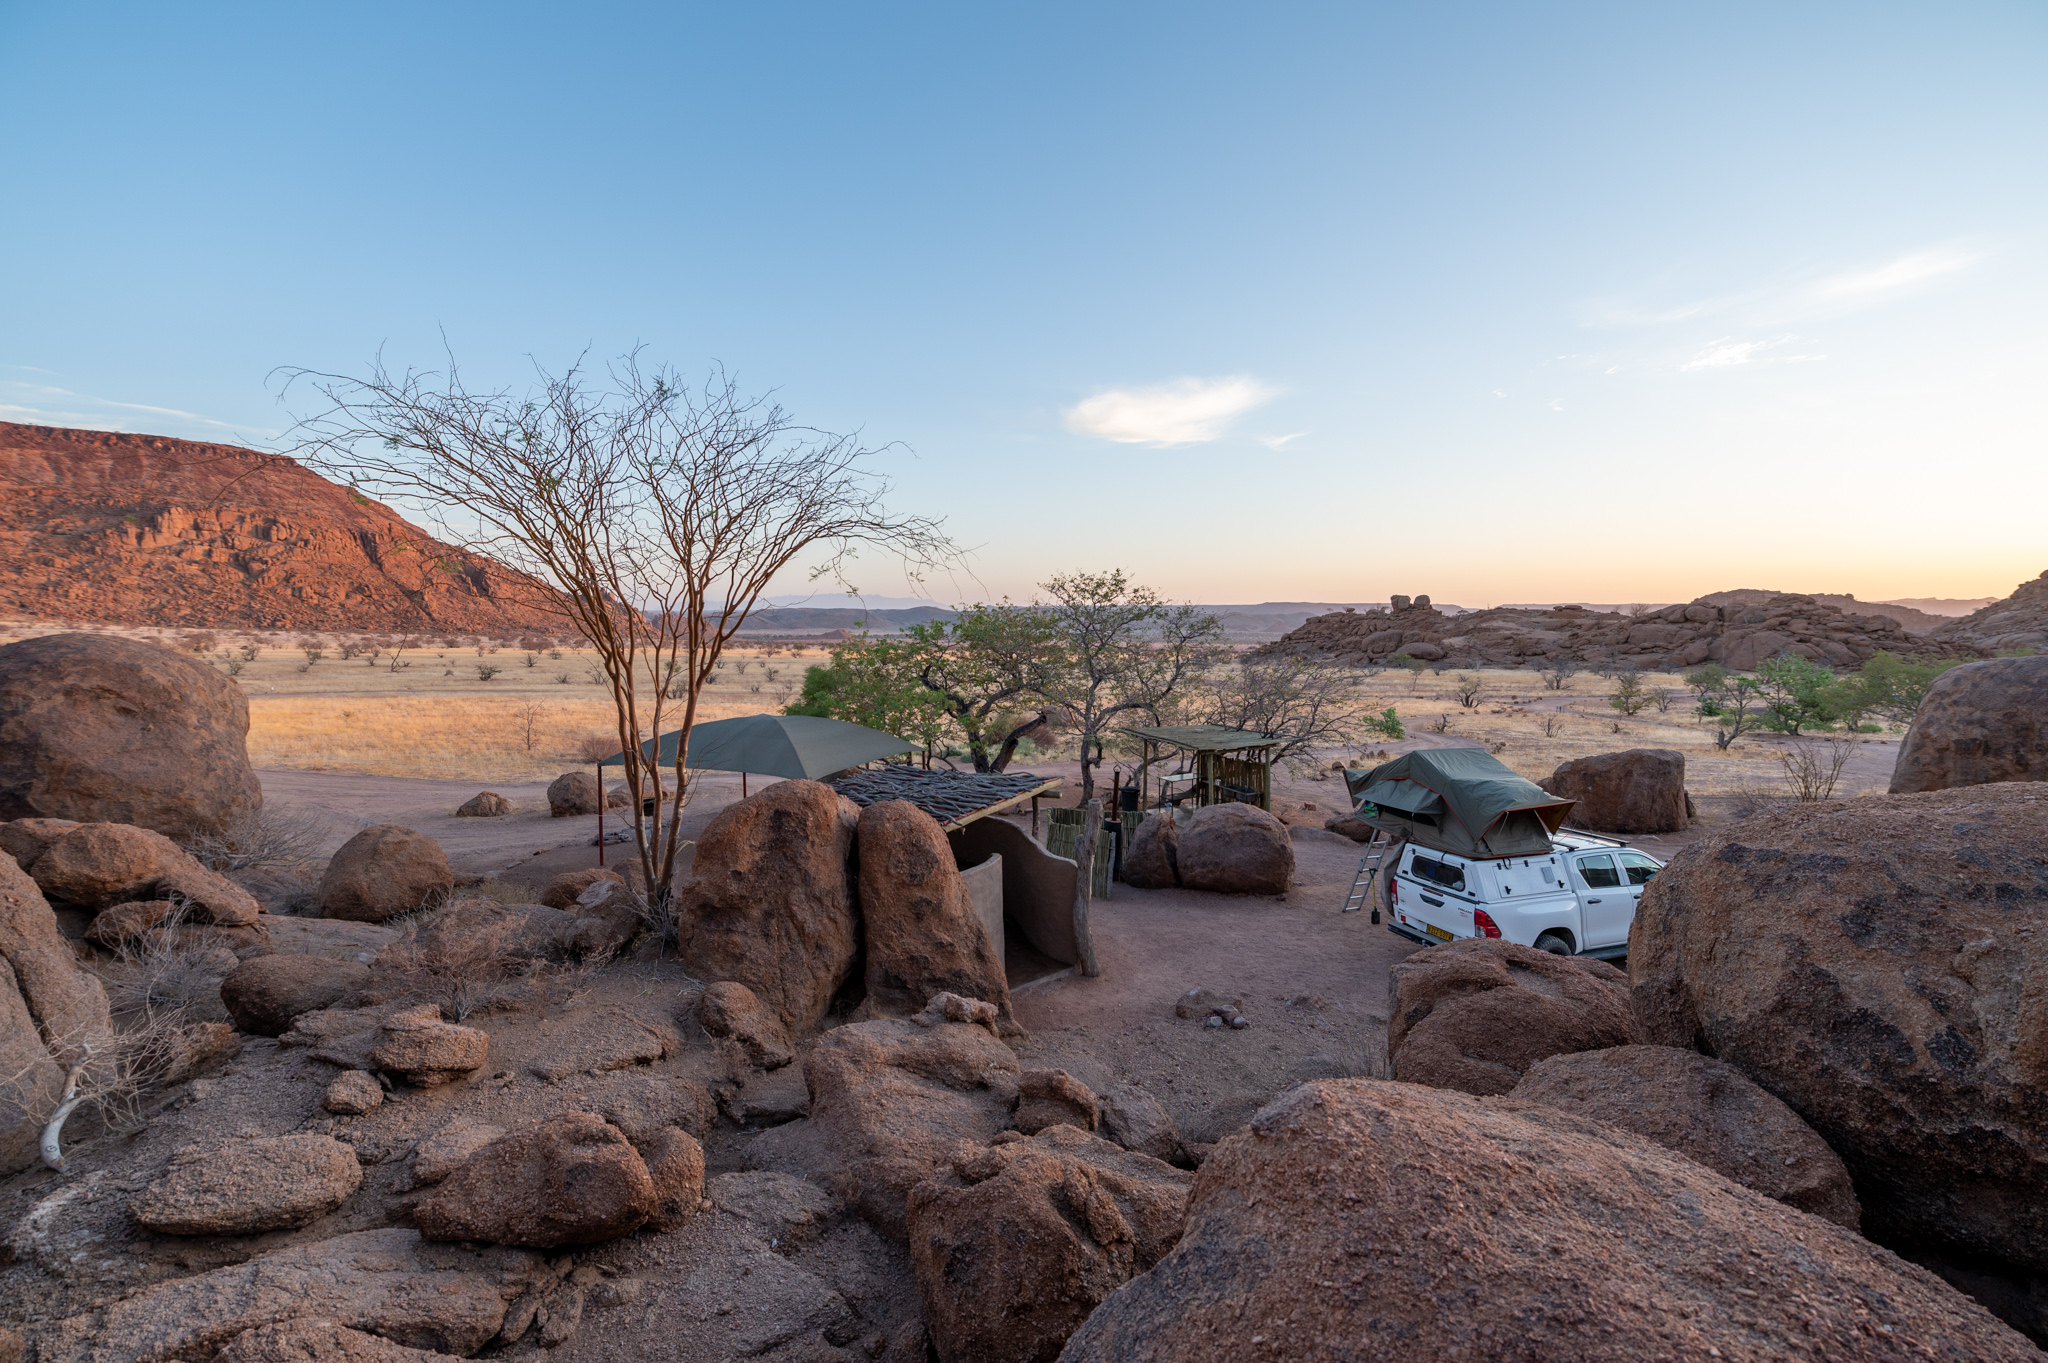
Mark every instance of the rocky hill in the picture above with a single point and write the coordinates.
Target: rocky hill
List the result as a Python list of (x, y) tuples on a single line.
[(2020, 621), (1738, 634), (147, 530)]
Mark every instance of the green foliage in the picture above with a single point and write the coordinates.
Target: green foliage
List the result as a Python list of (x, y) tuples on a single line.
[(1888, 686), (1707, 682), (1415, 665), (1629, 696), (873, 682), (1795, 694), (1387, 725)]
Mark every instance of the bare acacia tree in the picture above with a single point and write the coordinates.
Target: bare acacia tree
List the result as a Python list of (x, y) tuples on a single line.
[(1308, 705), (650, 514)]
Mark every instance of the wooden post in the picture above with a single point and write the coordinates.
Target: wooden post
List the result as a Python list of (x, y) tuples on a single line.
[(1084, 885), (600, 813)]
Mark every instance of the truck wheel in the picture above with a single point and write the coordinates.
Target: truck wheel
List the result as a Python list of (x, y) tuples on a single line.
[(1554, 943)]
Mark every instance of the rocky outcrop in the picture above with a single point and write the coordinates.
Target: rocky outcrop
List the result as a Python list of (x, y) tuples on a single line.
[(483, 939), (1979, 723), (1706, 1110), (889, 1101), (1018, 1241), (96, 865), (382, 872), (450, 1148), (2018, 622), (770, 902), (1476, 1014), (1641, 790), (1358, 1218), (1875, 963), (27, 839), (108, 730), (320, 1341), (418, 1047), (675, 1165), (1136, 1120), (264, 993), (147, 530), (920, 929), (1150, 861), (1055, 1098), (1234, 849), (49, 1005), (390, 1283), (570, 1180), (486, 804), (729, 1009), (1736, 629), (245, 1187)]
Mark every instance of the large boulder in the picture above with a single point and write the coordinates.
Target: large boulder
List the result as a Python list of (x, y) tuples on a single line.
[(27, 839), (245, 1187), (382, 872), (1706, 1110), (1877, 964), (264, 993), (1979, 723), (109, 730), (49, 1007), (770, 901), (1020, 1240), (603, 901), (564, 891), (1235, 849), (418, 1047), (99, 865), (889, 1101), (1150, 860), (570, 1180), (1476, 1014), (922, 932), (575, 792), (481, 939), (486, 804), (447, 1298), (1136, 1120), (730, 1010), (1641, 790), (1357, 1219)]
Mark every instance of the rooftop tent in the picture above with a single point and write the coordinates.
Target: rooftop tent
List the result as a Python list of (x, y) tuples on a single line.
[(795, 746), (1458, 800)]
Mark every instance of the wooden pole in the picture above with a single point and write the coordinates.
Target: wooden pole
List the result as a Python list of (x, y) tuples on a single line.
[(1084, 886), (600, 813)]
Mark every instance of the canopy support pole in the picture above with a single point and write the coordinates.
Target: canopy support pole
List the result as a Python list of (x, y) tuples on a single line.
[(600, 813)]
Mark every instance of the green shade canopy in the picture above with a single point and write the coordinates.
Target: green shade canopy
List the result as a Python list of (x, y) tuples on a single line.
[(1459, 800), (1206, 737), (796, 746)]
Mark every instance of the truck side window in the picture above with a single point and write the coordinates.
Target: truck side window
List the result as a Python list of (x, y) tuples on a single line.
[(1639, 867), (1441, 872), (1598, 872)]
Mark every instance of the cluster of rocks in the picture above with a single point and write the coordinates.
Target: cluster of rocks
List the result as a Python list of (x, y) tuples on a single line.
[(1737, 635), (2018, 622), (1226, 848)]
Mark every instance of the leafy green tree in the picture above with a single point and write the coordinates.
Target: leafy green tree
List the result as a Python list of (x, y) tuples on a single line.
[(980, 664), (873, 682), (1629, 696), (1794, 692), (1890, 686), (1707, 683)]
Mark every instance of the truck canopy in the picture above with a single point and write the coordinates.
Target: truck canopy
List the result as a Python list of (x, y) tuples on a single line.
[(1458, 800)]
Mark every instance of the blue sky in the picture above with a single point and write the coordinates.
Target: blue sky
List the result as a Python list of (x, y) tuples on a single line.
[(1500, 303)]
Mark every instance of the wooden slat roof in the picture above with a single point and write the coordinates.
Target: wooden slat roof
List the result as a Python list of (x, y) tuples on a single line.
[(954, 798)]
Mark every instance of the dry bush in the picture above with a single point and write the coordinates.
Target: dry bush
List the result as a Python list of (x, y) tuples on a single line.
[(262, 839), (594, 748), (1812, 771), (200, 642)]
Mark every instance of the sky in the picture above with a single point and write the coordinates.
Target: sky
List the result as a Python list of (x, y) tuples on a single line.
[(1277, 302)]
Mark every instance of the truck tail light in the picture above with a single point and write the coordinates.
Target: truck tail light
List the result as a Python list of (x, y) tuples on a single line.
[(1393, 894), (1483, 924)]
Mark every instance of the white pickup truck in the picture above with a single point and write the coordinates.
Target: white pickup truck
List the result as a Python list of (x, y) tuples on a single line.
[(1579, 900)]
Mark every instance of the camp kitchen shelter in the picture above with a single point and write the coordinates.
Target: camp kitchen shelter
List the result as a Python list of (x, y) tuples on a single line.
[(1458, 800), (793, 746), (1229, 764)]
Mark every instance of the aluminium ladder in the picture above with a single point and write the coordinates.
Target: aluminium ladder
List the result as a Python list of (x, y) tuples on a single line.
[(1368, 871)]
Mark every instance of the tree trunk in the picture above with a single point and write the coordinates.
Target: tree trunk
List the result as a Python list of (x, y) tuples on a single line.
[(1037, 727), (1084, 885)]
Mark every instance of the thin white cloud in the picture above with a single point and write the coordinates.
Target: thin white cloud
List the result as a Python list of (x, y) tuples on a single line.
[(41, 404), (1274, 442), (1728, 352), (1181, 412), (1895, 275)]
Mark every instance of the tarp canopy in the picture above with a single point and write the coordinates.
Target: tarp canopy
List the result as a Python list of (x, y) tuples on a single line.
[(1206, 737), (1459, 800), (796, 746)]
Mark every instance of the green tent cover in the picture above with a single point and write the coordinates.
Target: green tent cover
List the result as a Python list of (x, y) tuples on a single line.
[(795, 746), (1458, 800)]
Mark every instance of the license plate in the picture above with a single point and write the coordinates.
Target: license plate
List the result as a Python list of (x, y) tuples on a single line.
[(1436, 932)]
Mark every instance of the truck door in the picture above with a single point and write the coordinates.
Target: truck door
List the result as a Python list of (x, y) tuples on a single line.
[(1636, 870), (1606, 904)]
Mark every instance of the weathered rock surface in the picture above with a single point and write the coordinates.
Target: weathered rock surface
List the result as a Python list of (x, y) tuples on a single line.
[(390, 1283), (485, 804), (1641, 790), (448, 1149), (675, 1164), (320, 1341), (1235, 849), (244, 1187), (2019, 621), (1136, 1120), (1150, 861), (1476, 1014), (569, 1180), (1706, 1110), (382, 872), (641, 1104), (109, 730), (97, 865), (922, 933), (1491, 1253), (889, 1100), (564, 890), (786, 1208), (264, 993), (49, 1004), (1055, 1098), (416, 1045), (353, 1093), (770, 902), (1020, 1240), (609, 1039), (195, 1048), (1979, 723), (483, 939), (27, 839), (604, 905), (572, 793), (730, 1009), (1875, 963), (121, 924), (1737, 629)]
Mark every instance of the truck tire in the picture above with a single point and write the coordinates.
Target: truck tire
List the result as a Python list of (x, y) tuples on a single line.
[(1556, 943)]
